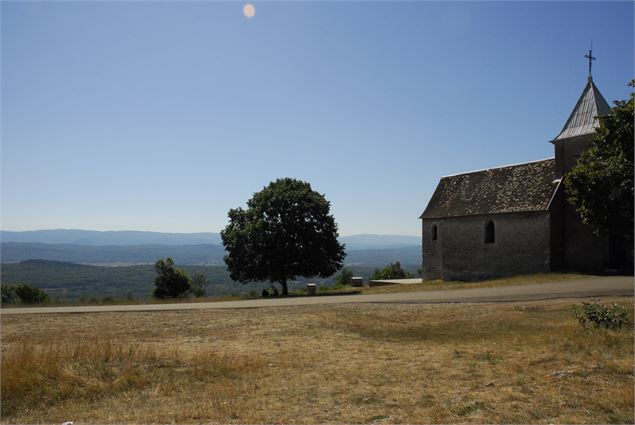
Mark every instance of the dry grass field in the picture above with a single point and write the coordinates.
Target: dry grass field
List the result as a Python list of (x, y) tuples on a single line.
[(524, 362), (436, 285)]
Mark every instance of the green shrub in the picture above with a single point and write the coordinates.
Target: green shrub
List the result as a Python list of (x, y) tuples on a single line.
[(344, 277), (610, 317), (25, 294), (8, 294), (391, 271), (30, 295)]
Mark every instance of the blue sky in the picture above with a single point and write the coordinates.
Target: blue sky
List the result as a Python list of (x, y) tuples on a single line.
[(164, 115)]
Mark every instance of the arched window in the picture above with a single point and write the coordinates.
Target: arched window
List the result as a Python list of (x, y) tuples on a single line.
[(490, 232), (435, 232)]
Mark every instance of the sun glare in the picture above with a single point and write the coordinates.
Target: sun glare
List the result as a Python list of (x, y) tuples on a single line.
[(249, 10)]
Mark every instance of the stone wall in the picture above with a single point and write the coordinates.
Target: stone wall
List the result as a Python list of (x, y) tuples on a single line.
[(574, 246), (583, 250), (521, 246), (431, 250), (556, 233)]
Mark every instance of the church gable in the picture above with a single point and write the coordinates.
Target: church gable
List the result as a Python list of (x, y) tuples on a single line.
[(515, 188)]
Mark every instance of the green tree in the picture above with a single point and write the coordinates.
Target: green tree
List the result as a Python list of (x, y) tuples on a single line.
[(199, 281), (170, 282), (30, 295), (391, 271), (600, 186), (8, 294), (286, 231), (344, 277)]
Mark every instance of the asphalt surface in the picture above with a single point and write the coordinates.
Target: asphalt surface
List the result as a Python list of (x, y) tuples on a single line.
[(594, 287)]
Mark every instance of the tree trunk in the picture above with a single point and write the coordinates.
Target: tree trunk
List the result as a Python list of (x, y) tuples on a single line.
[(285, 290)]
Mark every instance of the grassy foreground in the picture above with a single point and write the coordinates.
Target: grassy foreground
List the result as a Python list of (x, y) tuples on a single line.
[(524, 362)]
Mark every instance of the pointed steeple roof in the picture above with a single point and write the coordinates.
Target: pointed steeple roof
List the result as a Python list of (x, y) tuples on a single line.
[(583, 119)]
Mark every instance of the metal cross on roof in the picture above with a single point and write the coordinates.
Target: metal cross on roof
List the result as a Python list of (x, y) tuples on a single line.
[(591, 59)]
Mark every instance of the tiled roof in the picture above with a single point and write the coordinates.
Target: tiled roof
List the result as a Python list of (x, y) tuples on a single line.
[(583, 119), (513, 188)]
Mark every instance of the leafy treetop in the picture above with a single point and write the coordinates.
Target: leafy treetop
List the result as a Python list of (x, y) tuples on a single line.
[(170, 282), (286, 231)]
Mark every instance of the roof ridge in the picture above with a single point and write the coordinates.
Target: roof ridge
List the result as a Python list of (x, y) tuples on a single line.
[(583, 118), (597, 91), (499, 167)]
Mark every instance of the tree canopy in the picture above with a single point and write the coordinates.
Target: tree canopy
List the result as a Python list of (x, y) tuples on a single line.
[(600, 186), (344, 277), (170, 282), (24, 294), (391, 271), (286, 231)]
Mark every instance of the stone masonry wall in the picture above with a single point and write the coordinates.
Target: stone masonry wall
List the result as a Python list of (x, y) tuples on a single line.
[(521, 246), (583, 250), (431, 249)]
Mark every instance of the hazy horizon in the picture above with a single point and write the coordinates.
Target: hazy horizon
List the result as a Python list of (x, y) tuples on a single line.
[(184, 233)]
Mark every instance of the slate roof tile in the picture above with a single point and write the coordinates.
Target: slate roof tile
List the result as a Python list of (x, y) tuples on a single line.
[(514, 188)]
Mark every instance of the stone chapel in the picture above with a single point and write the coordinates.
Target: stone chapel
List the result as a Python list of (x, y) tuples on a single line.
[(514, 219)]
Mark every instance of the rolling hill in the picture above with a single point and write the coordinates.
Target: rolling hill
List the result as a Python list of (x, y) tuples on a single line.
[(68, 281)]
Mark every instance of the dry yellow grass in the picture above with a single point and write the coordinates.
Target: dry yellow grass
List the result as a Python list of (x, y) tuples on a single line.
[(480, 363), (433, 285)]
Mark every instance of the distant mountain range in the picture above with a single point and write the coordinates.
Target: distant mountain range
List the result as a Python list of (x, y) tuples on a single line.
[(13, 252), (133, 237), (136, 247), (96, 238)]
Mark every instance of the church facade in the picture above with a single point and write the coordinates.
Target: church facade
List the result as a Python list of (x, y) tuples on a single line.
[(515, 219)]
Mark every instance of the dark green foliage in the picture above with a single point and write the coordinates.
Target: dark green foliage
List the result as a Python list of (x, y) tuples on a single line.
[(69, 281), (600, 186), (344, 277), (170, 282), (72, 282), (199, 281), (8, 294), (25, 294), (286, 231), (30, 295), (613, 317), (391, 271)]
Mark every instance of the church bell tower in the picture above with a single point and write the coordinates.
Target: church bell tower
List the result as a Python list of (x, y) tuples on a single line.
[(578, 131)]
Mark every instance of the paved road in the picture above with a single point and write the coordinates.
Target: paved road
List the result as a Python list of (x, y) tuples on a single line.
[(595, 287)]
